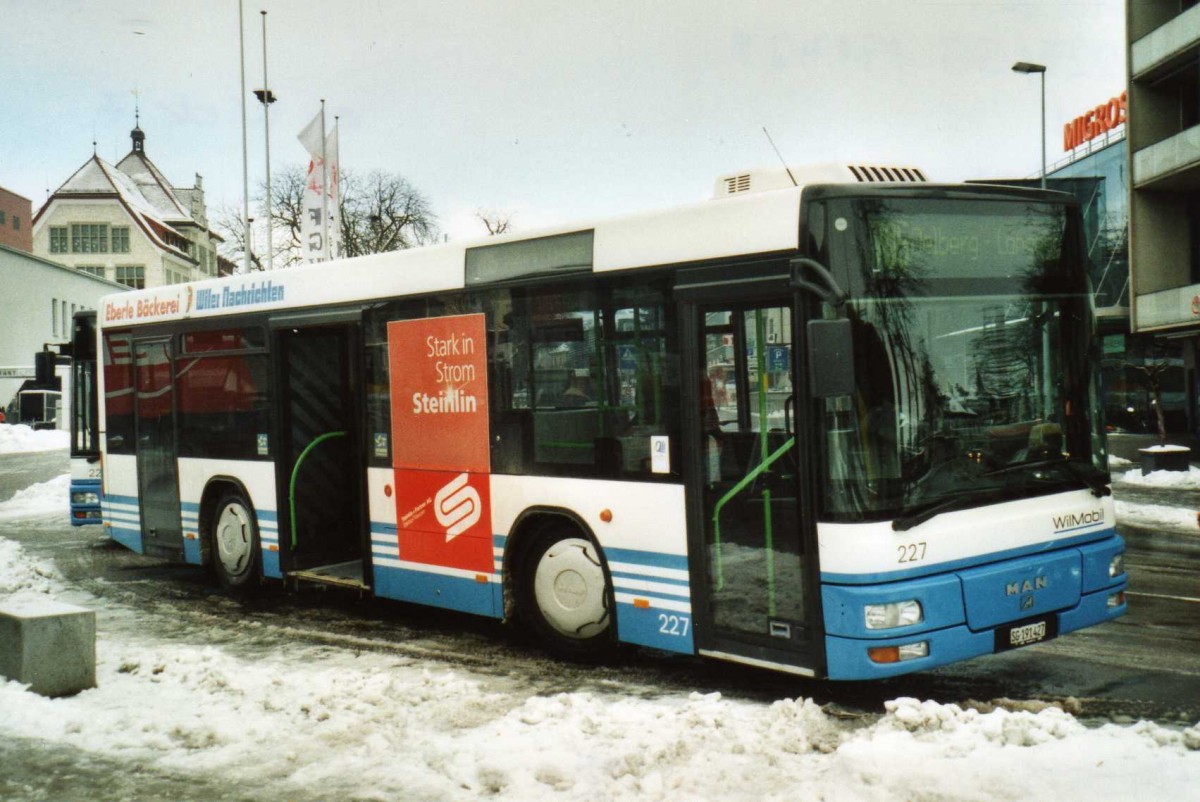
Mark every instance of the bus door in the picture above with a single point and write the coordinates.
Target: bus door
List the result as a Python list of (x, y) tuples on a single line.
[(321, 474), (157, 466), (754, 584)]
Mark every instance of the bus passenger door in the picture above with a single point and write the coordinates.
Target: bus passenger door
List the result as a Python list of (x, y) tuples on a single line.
[(157, 466), (320, 471), (755, 577)]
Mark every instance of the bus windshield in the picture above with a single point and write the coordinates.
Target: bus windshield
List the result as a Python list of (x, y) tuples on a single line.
[(972, 324)]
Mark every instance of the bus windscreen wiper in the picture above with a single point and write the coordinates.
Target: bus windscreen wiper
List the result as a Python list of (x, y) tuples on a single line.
[(965, 500), (1090, 478)]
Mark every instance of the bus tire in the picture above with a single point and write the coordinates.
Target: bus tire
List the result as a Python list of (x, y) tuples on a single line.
[(564, 595), (235, 546)]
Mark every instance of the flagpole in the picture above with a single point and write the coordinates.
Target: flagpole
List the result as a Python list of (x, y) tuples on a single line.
[(338, 198), (245, 167), (324, 184), (267, 136)]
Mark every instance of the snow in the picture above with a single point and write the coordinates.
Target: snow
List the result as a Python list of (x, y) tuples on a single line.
[(1189, 479), (19, 438), (368, 725), (50, 498), (1157, 516)]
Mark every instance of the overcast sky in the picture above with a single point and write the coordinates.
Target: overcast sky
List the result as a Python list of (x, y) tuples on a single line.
[(552, 109)]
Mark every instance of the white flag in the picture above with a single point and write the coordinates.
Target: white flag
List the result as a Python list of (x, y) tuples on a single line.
[(310, 137), (313, 228)]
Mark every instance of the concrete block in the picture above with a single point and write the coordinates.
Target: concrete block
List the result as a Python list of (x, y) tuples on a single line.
[(49, 646)]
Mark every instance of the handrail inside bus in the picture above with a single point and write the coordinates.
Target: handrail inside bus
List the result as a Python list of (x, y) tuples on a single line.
[(733, 491), (296, 472)]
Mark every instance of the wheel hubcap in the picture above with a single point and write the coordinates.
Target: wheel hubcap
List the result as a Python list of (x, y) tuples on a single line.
[(233, 539), (569, 589)]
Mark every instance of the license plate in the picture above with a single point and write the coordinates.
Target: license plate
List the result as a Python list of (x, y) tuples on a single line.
[(1024, 633), (1030, 633)]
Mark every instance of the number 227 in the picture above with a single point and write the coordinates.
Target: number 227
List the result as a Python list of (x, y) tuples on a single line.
[(911, 552)]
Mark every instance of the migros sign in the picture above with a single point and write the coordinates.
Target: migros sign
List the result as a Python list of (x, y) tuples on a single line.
[(1094, 122)]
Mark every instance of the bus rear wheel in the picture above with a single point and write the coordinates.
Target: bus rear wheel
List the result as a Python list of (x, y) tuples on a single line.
[(564, 595), (235, 545)]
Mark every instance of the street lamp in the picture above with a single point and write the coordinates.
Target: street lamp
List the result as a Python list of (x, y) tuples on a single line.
[(1040, 69)]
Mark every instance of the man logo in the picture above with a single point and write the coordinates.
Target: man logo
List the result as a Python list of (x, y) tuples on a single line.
[(457, 507), (1027, 602)]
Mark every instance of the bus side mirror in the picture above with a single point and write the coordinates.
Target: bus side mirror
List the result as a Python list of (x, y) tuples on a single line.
[(830, 358)]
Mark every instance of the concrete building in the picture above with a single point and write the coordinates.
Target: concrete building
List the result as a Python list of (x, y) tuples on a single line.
[(36, 307), (1163, 132), (16, 221), (127, 223)]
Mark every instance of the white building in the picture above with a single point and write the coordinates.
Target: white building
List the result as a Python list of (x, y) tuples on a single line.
[(126, 223), (36, 308)]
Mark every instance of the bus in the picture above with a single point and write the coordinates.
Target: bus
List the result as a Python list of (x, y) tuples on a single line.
[(844, 429), (86, 478)]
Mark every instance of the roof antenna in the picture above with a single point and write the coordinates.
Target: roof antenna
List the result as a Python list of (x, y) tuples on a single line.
[(780, 155)]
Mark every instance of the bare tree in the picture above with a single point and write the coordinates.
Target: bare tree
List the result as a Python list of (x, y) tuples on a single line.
[(383, 212), (379, 212), (228, 222), (496, 221)]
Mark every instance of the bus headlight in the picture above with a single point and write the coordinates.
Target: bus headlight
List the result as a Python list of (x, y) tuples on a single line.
[(85, 497), (895, 614), (1116, 566)]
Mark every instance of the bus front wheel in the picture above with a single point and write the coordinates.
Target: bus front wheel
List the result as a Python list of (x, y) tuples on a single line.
[(565, 595), (235, 544)]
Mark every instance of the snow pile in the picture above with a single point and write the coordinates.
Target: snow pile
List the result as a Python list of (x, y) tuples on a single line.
[(1118, 463), (40, 500), (1184, 480), (22, 576), (20, 438), (1158, 516), (373, 727)]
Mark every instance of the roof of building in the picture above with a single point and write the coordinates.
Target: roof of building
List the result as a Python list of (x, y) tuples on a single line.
[(140, 187)]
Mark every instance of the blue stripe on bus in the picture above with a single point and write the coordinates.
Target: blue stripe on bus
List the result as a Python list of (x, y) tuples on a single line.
[(966, 562), (682, 583), (656, 628), (439, 590), (383, 529), (652, 559), (191, 550), (270, 564), (129, 538)]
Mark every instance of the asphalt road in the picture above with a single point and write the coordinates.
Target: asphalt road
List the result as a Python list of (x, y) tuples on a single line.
[(1144, 665)]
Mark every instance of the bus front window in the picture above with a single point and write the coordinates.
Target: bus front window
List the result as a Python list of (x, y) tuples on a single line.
[(971, 324)]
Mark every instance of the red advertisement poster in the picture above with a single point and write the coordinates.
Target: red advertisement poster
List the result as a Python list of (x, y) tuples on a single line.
[(443, 518), (440, 448), (439, 394)]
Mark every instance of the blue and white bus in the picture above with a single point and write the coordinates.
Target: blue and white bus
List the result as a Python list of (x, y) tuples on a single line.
[(845, 429), (86, 480)]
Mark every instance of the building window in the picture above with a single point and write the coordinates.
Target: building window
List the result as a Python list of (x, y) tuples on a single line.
[(131, 276), (89, 238), (120, 239), (16, 223), (95, 270), (58, 239), (54, 315), (1, 217), (173, 276)]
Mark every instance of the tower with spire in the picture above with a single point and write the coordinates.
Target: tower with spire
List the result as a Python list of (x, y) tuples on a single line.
[(128, 223)]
